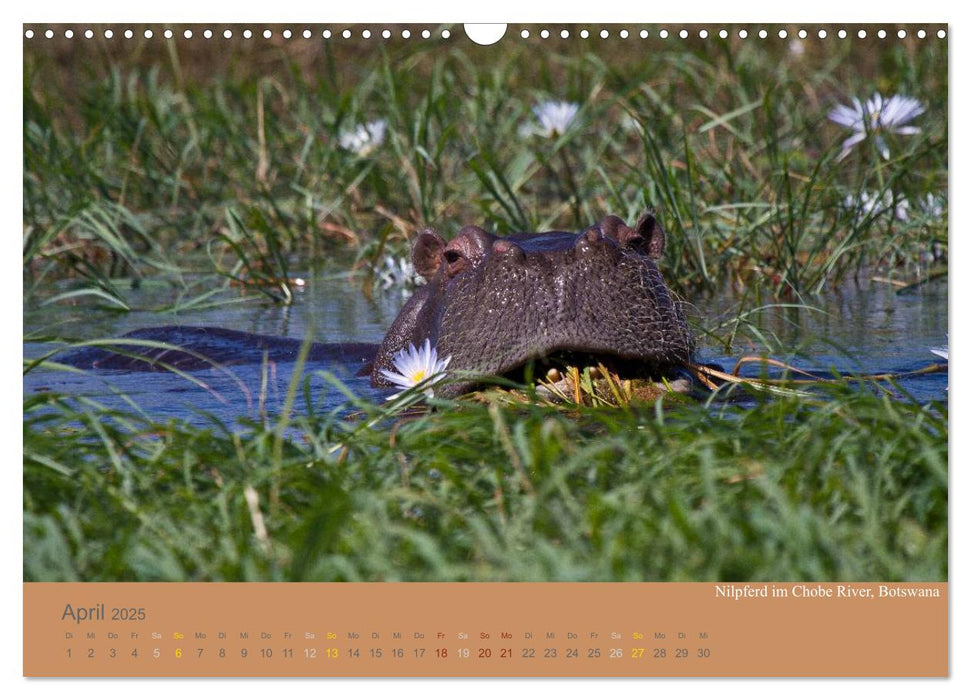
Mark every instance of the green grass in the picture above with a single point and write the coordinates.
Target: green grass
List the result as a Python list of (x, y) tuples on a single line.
[(845, 486), (213, 171), (156, 157)]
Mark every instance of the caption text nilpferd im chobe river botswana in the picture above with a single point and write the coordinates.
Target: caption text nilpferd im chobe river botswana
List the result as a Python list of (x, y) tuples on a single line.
[(734, 591)]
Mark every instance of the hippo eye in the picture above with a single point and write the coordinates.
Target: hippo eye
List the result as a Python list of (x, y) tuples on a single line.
[(455, 262)]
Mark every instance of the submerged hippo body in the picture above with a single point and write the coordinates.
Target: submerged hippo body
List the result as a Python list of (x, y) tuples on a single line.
[(195, 348), (494, 304)]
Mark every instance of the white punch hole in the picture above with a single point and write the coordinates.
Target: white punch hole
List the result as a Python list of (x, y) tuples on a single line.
[(485, 34)]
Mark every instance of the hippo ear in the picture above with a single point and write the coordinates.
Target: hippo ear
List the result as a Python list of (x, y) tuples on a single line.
[(613, 227), (426, 254), (650, 230)]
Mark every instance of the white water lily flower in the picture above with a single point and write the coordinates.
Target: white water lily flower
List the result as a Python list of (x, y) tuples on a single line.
[(875, 118), (398, 272), (932, 205), (868, 204), (416, 366), (554, 119), (363, 139), (940, 352)]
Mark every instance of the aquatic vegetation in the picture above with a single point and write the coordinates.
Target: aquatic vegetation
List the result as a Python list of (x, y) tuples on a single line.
[(933, 205), (363, 139), (848, 485), (736, 172), (417, 367), (398, 273), (870, 204), (875, 118), (554, 119)]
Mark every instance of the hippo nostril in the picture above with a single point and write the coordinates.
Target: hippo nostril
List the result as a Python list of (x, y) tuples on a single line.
[(590, 240)]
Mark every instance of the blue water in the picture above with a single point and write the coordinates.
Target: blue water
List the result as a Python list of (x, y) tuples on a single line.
[(859, 329), (862, 329), (329, 308)]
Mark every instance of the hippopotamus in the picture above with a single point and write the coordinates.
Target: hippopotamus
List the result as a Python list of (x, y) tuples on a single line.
[(494, 305)]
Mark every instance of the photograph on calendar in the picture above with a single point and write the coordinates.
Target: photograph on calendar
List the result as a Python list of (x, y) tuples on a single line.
[(583, 303)]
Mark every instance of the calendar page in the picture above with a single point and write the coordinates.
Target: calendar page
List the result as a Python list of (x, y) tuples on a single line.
[(519, 350)]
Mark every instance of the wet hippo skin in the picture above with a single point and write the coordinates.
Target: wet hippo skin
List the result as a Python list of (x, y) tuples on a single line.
[(203, 347), (495, 303)]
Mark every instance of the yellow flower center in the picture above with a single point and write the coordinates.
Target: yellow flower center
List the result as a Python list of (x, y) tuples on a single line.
[(418, 376)]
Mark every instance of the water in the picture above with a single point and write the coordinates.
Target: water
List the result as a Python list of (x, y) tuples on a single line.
[(862, 329), (331, 308)]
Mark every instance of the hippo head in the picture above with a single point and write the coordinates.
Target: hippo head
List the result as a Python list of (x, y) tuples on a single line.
[(495, 304)]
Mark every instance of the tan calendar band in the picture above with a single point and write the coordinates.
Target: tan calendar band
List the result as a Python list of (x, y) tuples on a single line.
[(485, 629)]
